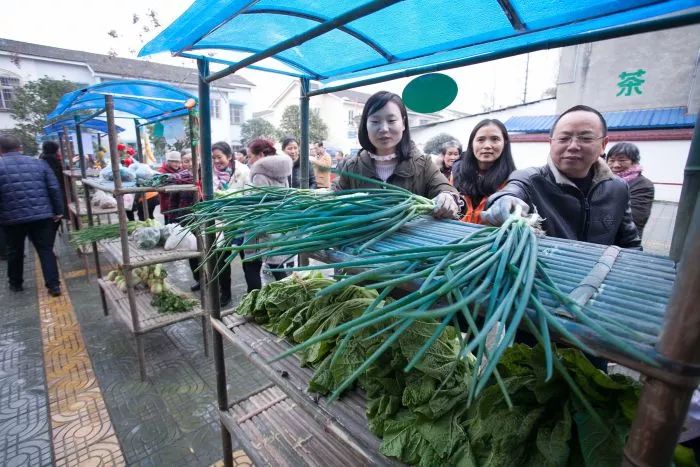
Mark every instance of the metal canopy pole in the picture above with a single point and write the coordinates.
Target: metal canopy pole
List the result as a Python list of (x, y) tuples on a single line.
[(88, 207), (211, 284), (304, 149), (139, 157), (663, 406), (364, 10), (139, 146), (689, 195)]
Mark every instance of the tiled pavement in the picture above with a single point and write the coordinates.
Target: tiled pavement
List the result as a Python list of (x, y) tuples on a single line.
[(70, 392)]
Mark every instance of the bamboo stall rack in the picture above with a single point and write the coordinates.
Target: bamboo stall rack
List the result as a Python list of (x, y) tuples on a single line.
[(149, 102)]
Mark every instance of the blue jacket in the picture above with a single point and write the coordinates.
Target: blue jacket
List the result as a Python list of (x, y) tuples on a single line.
[(29, 190)]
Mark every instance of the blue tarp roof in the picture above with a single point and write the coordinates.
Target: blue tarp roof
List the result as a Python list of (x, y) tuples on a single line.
[(147, 100), (69, 123), (400, 34), (647, 119)]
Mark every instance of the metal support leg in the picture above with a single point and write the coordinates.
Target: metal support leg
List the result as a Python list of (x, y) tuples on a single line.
[(205, 334)]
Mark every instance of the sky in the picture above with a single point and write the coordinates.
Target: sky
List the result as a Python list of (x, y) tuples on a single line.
[(86, 25)]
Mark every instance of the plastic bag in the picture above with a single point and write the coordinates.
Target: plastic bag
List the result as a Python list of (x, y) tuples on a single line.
[(165, 232), (180, 239), (143, 172), (108, 202), (97, 197), (106, 173), (126, 175), (146, 237)]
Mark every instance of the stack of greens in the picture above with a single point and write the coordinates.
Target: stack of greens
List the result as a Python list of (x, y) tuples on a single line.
[(96, 233), (423, 415), (304, 220)]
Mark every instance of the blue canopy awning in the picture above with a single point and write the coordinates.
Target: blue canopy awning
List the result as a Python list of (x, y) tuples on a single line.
[(331, 40), (148, 100), (69, 123), (645, 119)]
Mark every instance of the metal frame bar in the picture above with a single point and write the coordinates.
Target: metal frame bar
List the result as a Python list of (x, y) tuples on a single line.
[(88, 207), (512, 15), (209, 274), (341, 20), (361, 37), (228, 63), (288, 62)]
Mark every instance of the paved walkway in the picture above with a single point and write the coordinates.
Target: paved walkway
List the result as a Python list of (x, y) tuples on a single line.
[(70, 392)]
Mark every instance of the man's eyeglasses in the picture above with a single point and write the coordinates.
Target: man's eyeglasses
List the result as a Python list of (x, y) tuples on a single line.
[(581, 139)]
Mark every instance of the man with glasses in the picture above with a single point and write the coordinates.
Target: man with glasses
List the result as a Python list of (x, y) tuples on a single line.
[(576, 193)]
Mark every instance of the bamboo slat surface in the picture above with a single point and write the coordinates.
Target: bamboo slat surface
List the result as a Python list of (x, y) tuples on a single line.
[(279, 432), (130, 187), (148, 317), (634, 292), (139, 256), (348, 413), (96, 211)]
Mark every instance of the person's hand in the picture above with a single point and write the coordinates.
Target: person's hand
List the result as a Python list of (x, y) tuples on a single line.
[(501, 209), (57, 218), (445, 206)]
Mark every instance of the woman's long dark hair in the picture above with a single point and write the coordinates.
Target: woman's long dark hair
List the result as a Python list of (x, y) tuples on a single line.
[(49, 149), (375, 103), (466, 170)]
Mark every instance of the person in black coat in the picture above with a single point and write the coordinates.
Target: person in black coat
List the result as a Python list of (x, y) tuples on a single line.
[(50, 153), (31, 203), (290, 146), (623, 159), (576, 193)]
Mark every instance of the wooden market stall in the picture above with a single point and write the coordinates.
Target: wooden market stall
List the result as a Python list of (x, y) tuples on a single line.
[(344, 44), (146, 102)]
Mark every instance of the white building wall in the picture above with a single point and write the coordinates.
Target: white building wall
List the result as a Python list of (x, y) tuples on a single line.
[(461, 128)]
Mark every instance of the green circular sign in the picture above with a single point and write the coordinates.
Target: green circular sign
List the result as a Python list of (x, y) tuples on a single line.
[(430, 93)]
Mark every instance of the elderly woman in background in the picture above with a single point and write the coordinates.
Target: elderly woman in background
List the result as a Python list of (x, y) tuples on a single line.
[(450, 152), (623, 159), (484, 168)]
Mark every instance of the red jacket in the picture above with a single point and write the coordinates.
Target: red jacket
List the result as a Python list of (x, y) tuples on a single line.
[(165, 197)]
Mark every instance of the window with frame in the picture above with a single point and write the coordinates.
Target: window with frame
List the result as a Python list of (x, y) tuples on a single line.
[(8, 86), (236, 114), (216, 108)]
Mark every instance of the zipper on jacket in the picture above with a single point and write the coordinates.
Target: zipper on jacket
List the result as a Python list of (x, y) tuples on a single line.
[(586, 216)]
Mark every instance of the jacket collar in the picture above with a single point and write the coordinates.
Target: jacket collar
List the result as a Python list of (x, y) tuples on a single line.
[(601, 172), (403, 169), (277, 167), (13, 153)]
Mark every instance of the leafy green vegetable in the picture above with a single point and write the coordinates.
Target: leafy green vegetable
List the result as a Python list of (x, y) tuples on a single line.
[(422, 415)]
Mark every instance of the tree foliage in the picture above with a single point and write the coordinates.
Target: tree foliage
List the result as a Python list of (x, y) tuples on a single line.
[(257, 128), (434, 144), (32, 103), (290, 125)]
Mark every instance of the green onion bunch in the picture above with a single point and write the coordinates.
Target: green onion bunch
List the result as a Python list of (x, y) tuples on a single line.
[(278, 221), (494, 272), (87, 235)]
